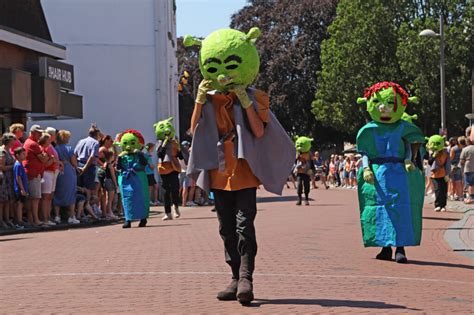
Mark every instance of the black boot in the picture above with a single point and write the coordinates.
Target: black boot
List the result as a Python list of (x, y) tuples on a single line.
[(245, 286), (385, 254), (245, 291), (127, 225), (298, 203), (400, 256), (142, 223), (229, 293)]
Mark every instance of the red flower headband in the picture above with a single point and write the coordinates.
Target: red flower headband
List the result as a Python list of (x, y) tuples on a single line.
[(134, 132), (397, 89)]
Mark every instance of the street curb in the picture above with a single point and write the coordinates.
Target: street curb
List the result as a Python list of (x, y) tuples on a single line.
[(452, 236)]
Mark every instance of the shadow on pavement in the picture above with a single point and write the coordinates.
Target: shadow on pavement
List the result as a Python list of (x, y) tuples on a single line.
[(331, 303), (165, 225), (278, 198), (14, 239), (198, 218), (440, 264), (440, 219)]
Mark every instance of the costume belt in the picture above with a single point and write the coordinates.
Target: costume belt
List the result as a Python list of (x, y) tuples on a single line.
[(386, 159)]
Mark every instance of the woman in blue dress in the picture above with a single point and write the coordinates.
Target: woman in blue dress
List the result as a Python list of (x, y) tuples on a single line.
[(65, 194)]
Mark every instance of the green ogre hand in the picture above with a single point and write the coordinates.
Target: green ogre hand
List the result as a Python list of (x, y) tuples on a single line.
[(368, 176), (409, 166), (204, 87), (242, 95)]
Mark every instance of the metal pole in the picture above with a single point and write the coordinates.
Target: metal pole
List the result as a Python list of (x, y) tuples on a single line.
[(443, 99)]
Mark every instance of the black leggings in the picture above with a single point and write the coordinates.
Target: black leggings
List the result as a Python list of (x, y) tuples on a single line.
[(171, 190), (441, 192), (303, 180)]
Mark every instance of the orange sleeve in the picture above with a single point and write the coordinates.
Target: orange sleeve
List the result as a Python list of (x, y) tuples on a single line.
[(263, 105)]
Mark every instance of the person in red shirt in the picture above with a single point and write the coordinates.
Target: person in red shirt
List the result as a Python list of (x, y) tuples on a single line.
[(51, 171), (34, 165)]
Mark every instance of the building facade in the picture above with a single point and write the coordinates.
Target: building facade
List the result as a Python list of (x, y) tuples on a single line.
[(33, 81), (124, 52)]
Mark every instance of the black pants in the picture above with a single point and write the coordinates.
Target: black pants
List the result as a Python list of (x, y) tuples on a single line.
[(302, 181), (441, 192), (236, 211), (170, 186)]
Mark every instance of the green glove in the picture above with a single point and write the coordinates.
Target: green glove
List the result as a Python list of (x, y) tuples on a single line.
[(204, 87), (242, 95), (368, 176), (409, 166)]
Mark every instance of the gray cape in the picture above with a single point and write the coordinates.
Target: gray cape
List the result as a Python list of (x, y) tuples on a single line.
[(270, 157)]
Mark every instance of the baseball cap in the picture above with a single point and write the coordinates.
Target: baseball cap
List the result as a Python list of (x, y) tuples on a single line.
[(36, 128), (50, 130)]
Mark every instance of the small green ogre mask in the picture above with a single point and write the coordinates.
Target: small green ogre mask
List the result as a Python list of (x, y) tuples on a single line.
[(164, 128), (303, 144), (131, 141), (386, 102), (436, 143), (228, 57)]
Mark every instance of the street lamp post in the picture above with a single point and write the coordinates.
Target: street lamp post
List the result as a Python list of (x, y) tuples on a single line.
[(431, 33)]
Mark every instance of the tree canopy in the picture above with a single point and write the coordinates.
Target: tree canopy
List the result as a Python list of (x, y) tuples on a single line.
[(377, 40)]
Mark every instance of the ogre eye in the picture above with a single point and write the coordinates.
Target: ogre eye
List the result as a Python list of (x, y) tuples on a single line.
[(212, 70), (375, 100), (231, 67)]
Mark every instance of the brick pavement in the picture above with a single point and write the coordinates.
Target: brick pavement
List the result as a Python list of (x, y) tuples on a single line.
[(310, 260)]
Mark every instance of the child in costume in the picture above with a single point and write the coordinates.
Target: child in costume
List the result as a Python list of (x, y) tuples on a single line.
[(169, 168), (238, 144), (303, 168), (132, 178), (440, 165), (390, 186)]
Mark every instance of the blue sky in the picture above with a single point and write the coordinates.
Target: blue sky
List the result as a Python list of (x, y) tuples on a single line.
[(201, 17)]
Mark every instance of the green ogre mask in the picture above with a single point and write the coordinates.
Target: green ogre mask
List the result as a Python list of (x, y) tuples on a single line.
[(436, 143), (386, 102), (164, 128), (303, 144), (228, 57), (131, 141)]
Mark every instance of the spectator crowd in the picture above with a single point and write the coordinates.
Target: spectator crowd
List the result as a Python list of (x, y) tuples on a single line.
[(45, 181)]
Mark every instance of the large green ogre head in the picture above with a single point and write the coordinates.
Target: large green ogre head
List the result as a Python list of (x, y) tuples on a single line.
[(303, 144), (164, 128), (436, 143), (228, 57), (131, 141), (386, 102)]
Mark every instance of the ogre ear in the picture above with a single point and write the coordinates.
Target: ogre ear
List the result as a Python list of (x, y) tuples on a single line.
[(427, 138), (253, 34), (361, 100), (189, 41), (311, 139), (414, 116), (413, 100), (169, 119)]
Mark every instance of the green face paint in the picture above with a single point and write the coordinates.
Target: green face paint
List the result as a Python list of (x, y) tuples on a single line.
[(381, 106), (436, 143), (228, 58), (303, 144), (130, 142), (165, 129)]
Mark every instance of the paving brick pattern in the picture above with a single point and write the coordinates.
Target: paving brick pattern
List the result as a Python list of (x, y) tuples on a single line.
[(310, 260)]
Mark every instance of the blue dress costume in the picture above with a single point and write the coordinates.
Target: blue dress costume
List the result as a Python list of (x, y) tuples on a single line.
[(391, 209), (65, 194), (133, 184)]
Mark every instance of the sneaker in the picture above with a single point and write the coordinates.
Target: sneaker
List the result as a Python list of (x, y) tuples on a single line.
[(306, 202), (468, 201), (437, 209), (50, 223), (167, 217), (73, 220), (10, 224), (19, 227), (191, 204), (177, 214), (443, 209), (57, 219)]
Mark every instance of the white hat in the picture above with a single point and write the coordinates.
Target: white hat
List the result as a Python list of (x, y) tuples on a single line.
[(36, 128), (50, 130)]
